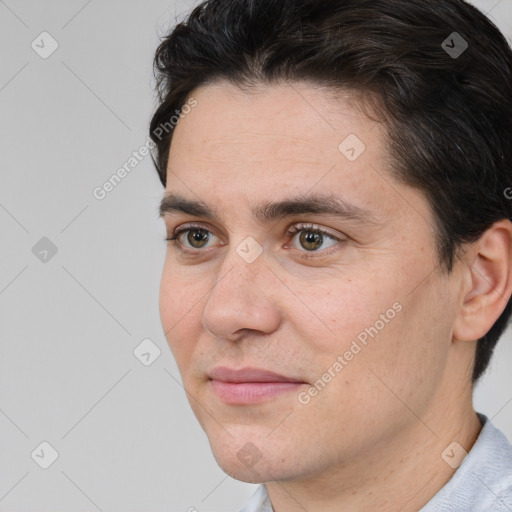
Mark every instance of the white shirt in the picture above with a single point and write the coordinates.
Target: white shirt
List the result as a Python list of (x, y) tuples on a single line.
[(482, 483)]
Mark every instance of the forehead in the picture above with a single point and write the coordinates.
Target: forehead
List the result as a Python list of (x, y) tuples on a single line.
[(299, 120), (275, 142)]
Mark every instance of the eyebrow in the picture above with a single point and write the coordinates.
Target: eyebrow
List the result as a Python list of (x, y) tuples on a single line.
[(265, 212)]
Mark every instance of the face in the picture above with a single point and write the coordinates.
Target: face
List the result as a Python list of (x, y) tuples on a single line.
[(338, 304)]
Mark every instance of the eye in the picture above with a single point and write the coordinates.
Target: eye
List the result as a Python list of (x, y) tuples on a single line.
[(312, 238), (196, 237), (193, 238)]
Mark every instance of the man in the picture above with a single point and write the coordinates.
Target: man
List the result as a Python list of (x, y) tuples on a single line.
[(339, 265)]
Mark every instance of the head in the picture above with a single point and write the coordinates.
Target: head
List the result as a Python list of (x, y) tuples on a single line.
[(298, 108)]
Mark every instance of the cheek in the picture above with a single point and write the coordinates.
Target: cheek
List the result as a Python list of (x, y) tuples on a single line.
[(402, 361), (180, 304), (342, 309), (374, 326)]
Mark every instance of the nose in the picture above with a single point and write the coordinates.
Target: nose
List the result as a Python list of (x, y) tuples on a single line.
[(245, 297)]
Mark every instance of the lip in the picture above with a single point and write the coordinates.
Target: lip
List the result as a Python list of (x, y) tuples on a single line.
[(248, 374), (250, 385)]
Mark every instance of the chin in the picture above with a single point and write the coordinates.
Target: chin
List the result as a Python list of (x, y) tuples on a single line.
[(242, 460), (243, 474)]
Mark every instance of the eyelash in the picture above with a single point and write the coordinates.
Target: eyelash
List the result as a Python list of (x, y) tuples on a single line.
[(297, 228)]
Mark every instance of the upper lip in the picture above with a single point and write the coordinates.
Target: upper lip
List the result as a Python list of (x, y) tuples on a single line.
[(248, 374)]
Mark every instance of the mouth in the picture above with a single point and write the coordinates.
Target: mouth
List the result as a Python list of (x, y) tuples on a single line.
[(250, 385)]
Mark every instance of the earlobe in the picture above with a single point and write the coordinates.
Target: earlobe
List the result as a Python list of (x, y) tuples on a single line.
[(489, 282)]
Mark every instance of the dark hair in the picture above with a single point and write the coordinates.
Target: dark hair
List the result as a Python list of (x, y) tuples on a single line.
[(447, 108)]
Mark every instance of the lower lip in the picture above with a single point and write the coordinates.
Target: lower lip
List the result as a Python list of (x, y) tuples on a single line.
[(251, 392)]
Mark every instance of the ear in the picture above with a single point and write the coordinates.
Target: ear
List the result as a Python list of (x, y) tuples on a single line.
[(488, 282)]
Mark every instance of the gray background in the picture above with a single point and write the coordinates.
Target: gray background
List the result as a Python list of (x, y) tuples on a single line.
[(125, 436)]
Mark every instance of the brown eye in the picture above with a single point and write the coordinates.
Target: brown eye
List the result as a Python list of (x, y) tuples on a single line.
[(197, 238), (191, 237), (311, 240)]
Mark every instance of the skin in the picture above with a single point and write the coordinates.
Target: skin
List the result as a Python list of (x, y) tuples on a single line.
[(372, 439)]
